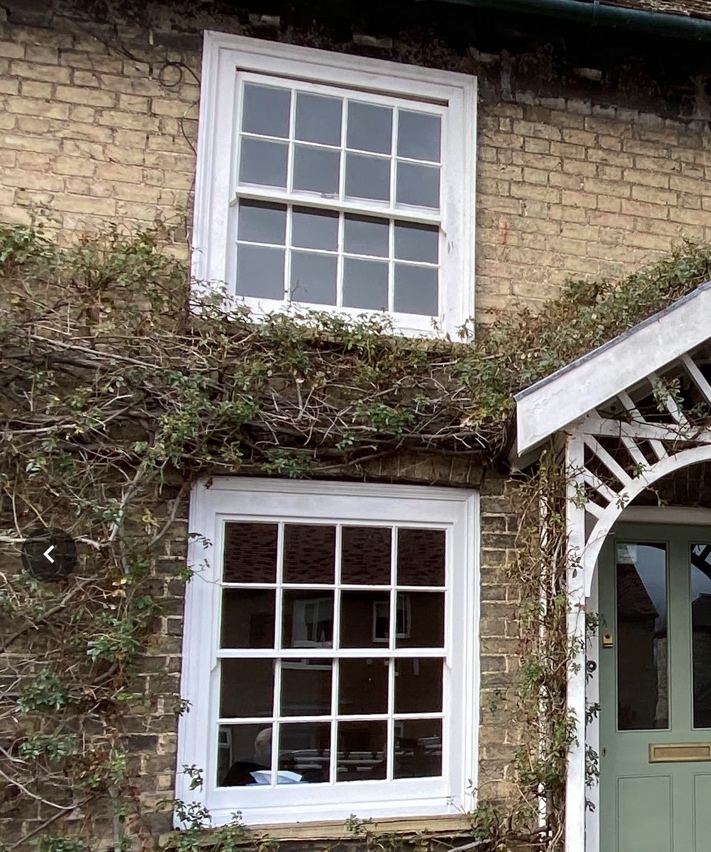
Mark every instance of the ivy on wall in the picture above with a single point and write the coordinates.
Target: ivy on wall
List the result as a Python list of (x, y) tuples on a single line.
[(120, 385)]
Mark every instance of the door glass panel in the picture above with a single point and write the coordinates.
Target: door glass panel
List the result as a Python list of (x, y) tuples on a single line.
[(701, 632), (642, 650)]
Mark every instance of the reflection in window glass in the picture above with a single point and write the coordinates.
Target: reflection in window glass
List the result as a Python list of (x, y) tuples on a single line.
[(642, 645), (418, 749), (358, 691), (701, 632), (265, 110)]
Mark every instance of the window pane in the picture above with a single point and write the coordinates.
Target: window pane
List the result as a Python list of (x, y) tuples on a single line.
[(242, 750), (259, 222), (363, 235), (420, 557), (316, 170), (366, 555), (263, 163), (250, 553), (363, 686), (314, 229), (313, 278), (318, 119), (265, 110), (420, 620), (367, 177), (418, 685), (307, 619), (419, 136), (701, 632), (246, 688), (418, 185), (248, 618), (416, 242), (309, 553), (418, 749), (362, 750), (365, 284), (305, 749), (365, 619), (416, 290), (642, 650), (306, 687), (370, 128), (260, 272)]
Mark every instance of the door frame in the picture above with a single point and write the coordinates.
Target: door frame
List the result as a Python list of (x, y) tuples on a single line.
[(633, 515)]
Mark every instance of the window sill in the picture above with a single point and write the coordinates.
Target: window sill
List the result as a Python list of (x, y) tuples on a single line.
[(455, 825)]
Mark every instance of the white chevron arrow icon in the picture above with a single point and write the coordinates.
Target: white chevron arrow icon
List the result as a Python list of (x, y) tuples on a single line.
[(47, 552)]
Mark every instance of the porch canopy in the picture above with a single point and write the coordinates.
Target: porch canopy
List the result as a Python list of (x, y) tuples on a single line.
[(622, 417)]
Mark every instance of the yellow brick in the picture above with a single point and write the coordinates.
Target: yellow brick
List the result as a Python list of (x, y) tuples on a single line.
[(7, 122), (33, 106), (74, 166), (179, 109), (33, 89), (128, 120), (579, 199), (133, 103), (647, 178), (34, 180), (87, 132), (12, 50), (116, 172), (30, 143), (45, 73), (84, 204), (640, 208), (85, 96), (82, 114), (606, 187), (654, 195), (535, 193)]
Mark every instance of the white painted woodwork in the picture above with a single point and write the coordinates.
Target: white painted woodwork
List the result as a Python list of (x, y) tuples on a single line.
[(557, 401)]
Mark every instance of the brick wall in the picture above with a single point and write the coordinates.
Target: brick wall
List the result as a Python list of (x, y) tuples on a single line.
[(98, 125)]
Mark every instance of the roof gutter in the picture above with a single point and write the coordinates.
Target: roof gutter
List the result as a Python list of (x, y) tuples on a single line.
[(600, 14)]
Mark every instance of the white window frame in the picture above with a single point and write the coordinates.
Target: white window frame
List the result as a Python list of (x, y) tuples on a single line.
[(234, 498), (225, 56)]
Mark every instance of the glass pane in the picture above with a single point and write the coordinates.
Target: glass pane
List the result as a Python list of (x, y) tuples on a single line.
[(416, 290), (363, 235), (417, 242), (365, 284), (420, 557), (313, 278), (367, 177), (314, 229), (361, 750), (365, 619), (420, 620), (305, 751), (309, 553), (418, 685), (247, 688), (262, 162), (307, 619), (642, 650), (701, 632), (418, 136), (363, 686), (306, 687), (418, 185), (259, 222), (418, 748), (318, 119), (248, 618), (370, 128), (242, 750), (316, 170), (260, 272), (265, 110), (250, 553), (366, 555)]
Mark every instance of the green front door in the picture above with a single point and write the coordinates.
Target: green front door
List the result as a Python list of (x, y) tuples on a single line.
[(655, 690)]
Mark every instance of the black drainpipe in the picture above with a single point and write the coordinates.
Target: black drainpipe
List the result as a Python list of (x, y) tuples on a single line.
[(600, 14)]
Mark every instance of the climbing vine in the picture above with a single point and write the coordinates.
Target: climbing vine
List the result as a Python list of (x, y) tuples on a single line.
[(121, 385)]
